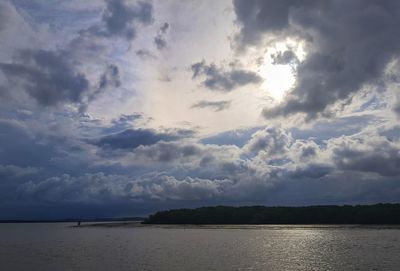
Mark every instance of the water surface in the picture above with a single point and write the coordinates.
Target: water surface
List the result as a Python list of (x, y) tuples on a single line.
[(59, 246)]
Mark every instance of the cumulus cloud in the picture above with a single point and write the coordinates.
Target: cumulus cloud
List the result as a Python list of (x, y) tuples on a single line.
[(304, 149), (214, 105), (203, 161), (272, 166), (201, 172), (216, 78), (273, 141), (349, 44), (95, 188)]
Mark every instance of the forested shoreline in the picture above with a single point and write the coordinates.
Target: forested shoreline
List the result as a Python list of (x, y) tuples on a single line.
[(328, 214)]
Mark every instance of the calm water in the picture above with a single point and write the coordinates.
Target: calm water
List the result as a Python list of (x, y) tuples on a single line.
[(60, 247)]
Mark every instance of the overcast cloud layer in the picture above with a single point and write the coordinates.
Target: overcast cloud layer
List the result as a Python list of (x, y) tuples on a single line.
[(117, 107)]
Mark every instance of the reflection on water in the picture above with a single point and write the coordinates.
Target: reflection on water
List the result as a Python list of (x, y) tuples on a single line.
[(60, 247)]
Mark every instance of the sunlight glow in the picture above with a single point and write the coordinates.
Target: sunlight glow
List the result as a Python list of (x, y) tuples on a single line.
[(279, 78)]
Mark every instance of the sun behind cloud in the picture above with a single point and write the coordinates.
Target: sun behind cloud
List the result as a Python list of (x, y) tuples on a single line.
[(279, 67), (278, 79)]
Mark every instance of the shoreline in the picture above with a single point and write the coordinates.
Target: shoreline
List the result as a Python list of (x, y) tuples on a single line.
[(138, 224)]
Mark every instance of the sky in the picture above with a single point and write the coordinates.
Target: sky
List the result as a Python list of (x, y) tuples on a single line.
[(120, 108)]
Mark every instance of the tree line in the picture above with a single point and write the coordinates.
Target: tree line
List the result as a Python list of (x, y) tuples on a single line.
[(329, 214)]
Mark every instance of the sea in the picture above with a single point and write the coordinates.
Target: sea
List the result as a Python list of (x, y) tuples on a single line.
[(62, 246)]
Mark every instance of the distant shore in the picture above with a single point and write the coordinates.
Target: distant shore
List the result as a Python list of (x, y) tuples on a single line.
[(239, 217), (112, 225), (75, 220), (388, 214)]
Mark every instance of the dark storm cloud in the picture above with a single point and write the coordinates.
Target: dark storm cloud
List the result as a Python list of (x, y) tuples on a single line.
[(47, 76), (258, 16), (313, 171), (216, 78), (167, 152), (216, 105), (132, 138), (121, 19), (349, 44), (380, 156), (54, 77)]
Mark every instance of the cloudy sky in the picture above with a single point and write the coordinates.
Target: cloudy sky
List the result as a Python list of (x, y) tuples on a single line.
[(118, 107)]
